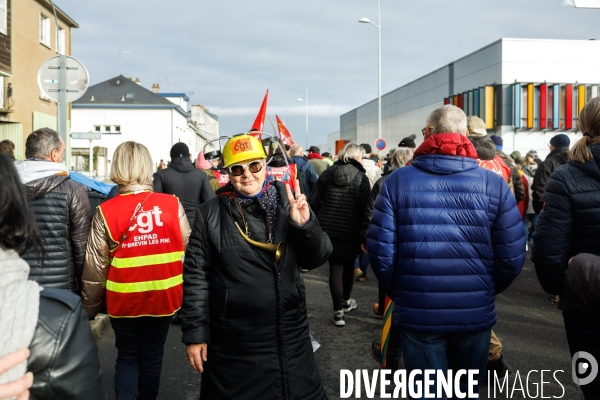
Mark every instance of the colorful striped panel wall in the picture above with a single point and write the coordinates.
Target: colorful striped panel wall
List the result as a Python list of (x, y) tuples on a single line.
[(530, 106), (568, 107), (476, 102), (580, 99), (556, 106), (517, 105), (543, 105), (469, 102), (482, 109), (489, 107), (446, 101)]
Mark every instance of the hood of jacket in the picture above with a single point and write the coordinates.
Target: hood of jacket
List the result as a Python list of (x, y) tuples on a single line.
[(315, 155), (485, 147), (300, 161), (561, 154), (592, 167), (446, 153), (344, 173), (182, 164), (31, 170), (507, 160), (39, 187), (367, 163), (530, 170)]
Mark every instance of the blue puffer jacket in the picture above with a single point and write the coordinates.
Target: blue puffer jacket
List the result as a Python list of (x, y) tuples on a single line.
[(445, 238)]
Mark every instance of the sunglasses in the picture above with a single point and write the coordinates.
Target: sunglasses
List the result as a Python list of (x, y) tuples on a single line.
[(238, 169)]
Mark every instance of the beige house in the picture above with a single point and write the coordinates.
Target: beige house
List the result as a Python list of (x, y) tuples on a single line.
[(28, 37)]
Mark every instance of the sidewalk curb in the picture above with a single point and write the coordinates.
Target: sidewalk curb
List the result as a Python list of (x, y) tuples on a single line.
[(98, 325)]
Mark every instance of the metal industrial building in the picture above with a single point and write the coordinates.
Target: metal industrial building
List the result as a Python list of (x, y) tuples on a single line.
[(527, 90)]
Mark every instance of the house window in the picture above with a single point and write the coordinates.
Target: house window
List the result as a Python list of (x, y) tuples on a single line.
[(97, 128), (44, 30), (3, 17), (60, 41), (107, 128), (129, 96), (118, 128)]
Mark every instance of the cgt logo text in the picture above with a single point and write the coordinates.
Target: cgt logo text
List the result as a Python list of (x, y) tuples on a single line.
[(437, 384)]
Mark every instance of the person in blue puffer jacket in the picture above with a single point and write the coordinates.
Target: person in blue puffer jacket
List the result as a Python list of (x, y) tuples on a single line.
[(445, 238)]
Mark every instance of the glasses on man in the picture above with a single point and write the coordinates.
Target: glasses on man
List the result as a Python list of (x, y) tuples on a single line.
[(238, 169), (425, 129)]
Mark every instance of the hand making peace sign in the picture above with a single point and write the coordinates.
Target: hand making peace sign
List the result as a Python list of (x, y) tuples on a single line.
[(299, 209)]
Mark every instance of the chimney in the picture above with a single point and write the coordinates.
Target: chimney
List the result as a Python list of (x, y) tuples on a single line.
[(137, 80), (155, 88)]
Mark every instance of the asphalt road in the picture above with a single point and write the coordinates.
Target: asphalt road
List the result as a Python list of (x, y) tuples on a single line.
[(529, 326)]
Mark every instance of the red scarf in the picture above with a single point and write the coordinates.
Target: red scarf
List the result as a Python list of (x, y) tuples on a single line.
[(314, 155), (449, 144)]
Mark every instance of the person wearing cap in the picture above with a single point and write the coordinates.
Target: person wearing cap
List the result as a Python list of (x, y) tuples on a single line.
[(209, 169), (328, 158), (316, 160), (190, 185), (515, 183), (244, 307), (534, 155), (409, 142), (372, 171), (559, 155), (488, 159)]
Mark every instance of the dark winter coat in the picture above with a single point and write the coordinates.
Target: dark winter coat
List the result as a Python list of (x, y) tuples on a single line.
[(555, 159), (371, 204), (306, 175), (64, 358), (515, 177), (445, 238), (62, 212), (569, 223), (190, 185), (340, 200), (485, 147), (250, 309), (582, 282)]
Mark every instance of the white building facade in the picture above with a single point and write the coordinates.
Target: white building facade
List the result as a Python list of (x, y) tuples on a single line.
[(527, 90), (121, 110)]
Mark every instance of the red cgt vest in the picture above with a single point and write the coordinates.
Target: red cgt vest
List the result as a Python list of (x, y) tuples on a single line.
[(145, 276)]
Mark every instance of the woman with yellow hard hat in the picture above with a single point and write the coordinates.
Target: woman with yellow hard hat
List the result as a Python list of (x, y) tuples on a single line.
[(244, 309)]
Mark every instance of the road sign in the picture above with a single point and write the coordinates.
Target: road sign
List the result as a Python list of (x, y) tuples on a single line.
[(86, 135), (76, 78), (380, 144)]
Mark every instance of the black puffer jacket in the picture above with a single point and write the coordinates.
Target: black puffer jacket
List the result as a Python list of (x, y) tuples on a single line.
[(62, 211), (249, 308), (190, 185), (555, 159), (569, 223), (340, 200), (371, 204), (64, 356)]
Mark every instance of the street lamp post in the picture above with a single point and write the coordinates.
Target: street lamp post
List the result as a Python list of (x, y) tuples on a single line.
[(306, 102), (378, 26)]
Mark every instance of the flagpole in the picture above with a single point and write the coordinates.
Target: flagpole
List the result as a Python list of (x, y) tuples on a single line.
[(306, 148)]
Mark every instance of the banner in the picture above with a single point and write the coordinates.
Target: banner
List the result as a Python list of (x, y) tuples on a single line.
[(284, 134), (259, 122)]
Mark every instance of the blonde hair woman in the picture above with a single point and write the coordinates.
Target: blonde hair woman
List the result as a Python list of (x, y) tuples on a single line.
[(570, 225), (339, 199), (134, 259)]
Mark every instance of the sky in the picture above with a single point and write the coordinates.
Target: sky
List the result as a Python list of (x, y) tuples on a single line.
[(225, 54)]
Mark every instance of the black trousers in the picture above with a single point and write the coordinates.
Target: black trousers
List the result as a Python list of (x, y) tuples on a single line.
[(341, 279)]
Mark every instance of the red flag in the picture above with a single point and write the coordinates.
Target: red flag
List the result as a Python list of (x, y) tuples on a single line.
[(259, 122), (284, 134)]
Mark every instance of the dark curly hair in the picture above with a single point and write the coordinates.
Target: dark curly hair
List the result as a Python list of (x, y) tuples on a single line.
[(18, 229)]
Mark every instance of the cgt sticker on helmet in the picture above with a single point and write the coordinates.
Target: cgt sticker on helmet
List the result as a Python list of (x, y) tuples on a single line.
[(240, 146)]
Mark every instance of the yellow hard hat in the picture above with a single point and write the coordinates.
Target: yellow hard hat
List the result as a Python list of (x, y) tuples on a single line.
[(240, 148)]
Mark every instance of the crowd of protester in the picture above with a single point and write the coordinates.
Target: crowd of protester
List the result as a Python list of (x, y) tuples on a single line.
[(219, 246)]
